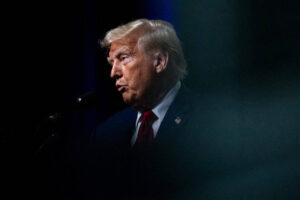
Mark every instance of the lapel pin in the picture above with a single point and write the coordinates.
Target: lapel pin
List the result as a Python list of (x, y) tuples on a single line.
[(177, 120)]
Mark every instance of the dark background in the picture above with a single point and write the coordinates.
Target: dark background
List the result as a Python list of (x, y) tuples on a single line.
[(242, 54)]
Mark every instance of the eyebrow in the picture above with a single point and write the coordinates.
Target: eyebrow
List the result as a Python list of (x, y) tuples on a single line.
[(109, 60), (119, 53)]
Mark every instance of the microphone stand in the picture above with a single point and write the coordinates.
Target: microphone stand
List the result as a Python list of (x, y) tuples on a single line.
[(54, 122), (51, 126)]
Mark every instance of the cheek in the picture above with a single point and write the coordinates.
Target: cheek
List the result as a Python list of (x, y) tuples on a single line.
[(134, 79), (138, 77)]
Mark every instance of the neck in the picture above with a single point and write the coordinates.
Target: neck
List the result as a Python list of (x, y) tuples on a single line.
[(154, 97)]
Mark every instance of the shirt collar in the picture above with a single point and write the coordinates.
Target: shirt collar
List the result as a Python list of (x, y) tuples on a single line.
[(161, 109)]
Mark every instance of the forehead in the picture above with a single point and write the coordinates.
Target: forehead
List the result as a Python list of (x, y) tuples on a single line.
[(123, 44)]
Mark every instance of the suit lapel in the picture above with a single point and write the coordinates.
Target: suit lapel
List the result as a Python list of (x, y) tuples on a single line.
[(117, 131), (176, 116)]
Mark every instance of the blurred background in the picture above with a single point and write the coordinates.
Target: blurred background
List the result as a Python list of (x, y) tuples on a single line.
[(242, 54)]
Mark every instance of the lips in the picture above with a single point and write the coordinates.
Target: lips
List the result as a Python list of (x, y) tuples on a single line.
[(120, 88)]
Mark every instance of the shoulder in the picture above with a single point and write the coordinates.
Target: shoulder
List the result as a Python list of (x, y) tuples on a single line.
[(187, 100), (116, 125), (119, 118)]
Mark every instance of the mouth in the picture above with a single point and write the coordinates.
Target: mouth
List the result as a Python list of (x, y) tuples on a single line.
[(121, 88)]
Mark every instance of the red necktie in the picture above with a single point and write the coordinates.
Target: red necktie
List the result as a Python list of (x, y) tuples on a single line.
[(145, 134), (141, 161)]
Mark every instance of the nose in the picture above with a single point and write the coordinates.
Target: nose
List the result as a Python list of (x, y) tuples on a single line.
[(116, 70)]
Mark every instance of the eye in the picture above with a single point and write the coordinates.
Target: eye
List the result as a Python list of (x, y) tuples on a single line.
[(123, 57)]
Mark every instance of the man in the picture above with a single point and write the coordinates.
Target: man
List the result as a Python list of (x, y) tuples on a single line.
[(147, 61), (136, 146), (170, 144)]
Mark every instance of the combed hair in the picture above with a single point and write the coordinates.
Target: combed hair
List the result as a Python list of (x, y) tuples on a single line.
[(157, 35)]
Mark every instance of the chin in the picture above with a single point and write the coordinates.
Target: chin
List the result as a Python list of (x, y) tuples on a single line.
[(127, 99), (131, 98), (131, 102)]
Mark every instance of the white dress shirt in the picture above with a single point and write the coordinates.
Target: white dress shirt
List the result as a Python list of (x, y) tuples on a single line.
[(159, 110)]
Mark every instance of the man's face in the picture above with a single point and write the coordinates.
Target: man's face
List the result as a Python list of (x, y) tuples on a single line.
[(133, 70)]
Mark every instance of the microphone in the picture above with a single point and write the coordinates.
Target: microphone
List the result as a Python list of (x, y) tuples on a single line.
[(53, 122), (86, 101)]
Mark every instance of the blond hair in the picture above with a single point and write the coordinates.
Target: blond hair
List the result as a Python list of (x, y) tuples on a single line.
[(157, 35)]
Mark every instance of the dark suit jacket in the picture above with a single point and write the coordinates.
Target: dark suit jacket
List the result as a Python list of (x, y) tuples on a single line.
[(207, 154)]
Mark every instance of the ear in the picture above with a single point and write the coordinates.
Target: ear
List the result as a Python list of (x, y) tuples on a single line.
[(160, 61)]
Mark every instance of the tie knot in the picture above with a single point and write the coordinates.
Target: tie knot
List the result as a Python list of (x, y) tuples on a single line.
[(149, 116)]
